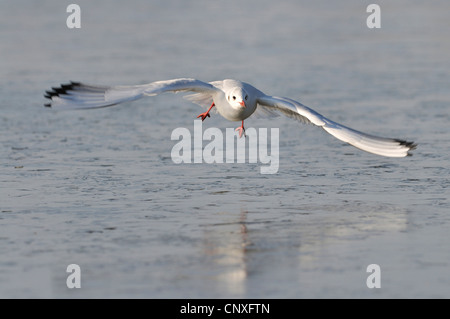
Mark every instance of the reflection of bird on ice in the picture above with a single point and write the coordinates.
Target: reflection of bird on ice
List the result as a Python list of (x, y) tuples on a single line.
[(226, 244)]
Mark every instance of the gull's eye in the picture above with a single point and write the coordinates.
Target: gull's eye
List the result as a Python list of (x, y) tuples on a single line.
[(246, 97), (234, 98)]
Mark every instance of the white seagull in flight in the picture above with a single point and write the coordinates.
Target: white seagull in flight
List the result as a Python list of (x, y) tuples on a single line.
[(234, 100)]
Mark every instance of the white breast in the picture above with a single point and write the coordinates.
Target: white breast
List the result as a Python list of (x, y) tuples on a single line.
[(232, 114)]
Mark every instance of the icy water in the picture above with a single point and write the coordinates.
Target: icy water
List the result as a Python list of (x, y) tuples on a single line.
[(99, 188)]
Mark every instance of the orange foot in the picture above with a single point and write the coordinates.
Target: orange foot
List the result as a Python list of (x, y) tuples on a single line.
[(241, 129), (206, 114)]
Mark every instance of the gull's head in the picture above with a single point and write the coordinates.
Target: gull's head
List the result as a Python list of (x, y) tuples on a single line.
[(237, 98)]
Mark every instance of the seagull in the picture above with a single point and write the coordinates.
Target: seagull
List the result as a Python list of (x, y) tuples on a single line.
[(233, 99)]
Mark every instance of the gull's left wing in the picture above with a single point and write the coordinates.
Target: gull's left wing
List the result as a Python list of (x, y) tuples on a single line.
[(390, 147)]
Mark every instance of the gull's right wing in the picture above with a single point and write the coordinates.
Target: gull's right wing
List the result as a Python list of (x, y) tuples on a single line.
[(76, 95)]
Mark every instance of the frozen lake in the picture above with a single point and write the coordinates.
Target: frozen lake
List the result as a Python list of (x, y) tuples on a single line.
[(99, 188)]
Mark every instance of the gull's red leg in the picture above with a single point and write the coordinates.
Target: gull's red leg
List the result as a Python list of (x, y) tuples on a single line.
[(206, 114), (241, 129)]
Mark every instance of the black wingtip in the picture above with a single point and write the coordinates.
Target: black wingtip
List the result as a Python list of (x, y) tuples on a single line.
[(48, 95), (57, 91), (410, 145), (62, 89)]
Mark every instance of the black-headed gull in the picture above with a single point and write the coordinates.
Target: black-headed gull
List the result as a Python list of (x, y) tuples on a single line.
[(234, 100)]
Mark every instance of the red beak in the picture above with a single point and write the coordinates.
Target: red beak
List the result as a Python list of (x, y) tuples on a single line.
[(242, 103)]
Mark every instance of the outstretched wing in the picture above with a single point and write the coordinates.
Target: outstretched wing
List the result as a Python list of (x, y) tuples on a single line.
[(390, 147), (77, 95)]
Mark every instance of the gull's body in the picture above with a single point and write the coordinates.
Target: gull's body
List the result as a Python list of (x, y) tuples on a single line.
[(234, 100)]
